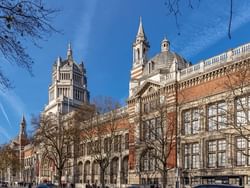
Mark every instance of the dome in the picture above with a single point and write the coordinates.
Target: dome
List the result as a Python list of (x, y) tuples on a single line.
[(164, 61)]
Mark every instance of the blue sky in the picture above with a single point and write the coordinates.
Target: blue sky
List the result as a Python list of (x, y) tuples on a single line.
[(102, 33)]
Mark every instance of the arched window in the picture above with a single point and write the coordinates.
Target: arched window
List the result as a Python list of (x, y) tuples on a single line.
[(45, 167), (138, 54), (114, 170), (124, 175), (144, 52), (87, 172), (79, 172), (95, 172)]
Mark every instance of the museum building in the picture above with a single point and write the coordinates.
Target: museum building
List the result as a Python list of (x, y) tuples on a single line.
[(199, 114)]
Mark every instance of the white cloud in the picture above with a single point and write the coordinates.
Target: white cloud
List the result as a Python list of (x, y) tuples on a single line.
[(83, 29), (14, 102), (5, 114)]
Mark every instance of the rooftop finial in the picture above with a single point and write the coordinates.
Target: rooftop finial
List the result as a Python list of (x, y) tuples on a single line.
[(69, 52), (165, 44)]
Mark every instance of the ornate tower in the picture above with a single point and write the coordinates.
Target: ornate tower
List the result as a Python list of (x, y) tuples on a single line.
[(140, 49), (68, 89), (22, 133)]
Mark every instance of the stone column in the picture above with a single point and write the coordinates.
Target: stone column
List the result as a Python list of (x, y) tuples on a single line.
[(118, 181)]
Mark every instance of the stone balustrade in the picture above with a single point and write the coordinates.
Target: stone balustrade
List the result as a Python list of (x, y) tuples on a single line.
[(230, 55)]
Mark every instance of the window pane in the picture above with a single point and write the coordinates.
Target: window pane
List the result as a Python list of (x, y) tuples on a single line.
[(211, 160), (212, 123), (241, 103), (187, 128), (222, 121), (196, 126), (187, 116), (222, 108), (241, 159), (221, 145), (212, 110), (241, 143), (241, 118), (196, 114), (195, 148), (186, 161), (195, 161), (212, 146), (222, 159)]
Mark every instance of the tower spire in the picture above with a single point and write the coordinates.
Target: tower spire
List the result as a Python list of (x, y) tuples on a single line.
[(140, 32), (140, 50), (23, 127), (69, 52)]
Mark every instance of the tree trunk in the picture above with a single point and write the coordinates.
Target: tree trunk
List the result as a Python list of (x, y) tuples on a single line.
[(60, 178), (102, 179), (164, 179)]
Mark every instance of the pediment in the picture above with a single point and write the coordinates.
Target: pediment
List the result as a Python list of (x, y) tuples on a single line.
[(147, 88)]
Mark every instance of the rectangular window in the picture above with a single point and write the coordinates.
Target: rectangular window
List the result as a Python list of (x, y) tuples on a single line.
[(151, 129), (243, 111), (221, 152), (242, 149), (89, 148), (217, 116), (117, 143), (150, 106), (195, 155), (126, 140), (96, 146), (216, 153), (51, 95), (107, 144), (81, 150), (191, 155), (191, 121)]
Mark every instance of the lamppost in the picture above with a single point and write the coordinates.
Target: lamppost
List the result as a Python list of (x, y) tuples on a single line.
[(137, 170), (66, 177)]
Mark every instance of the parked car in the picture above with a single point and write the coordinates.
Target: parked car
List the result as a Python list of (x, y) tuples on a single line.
[(4, 184), (217, 186), (46, 185)]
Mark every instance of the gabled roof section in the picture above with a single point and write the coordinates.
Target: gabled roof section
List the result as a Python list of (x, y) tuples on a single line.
[(146, 87)]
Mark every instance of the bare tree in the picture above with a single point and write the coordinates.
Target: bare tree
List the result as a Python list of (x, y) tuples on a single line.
[(21, 21), (9, 159), (238, 84), (158, 135), (55, 136), (101, 133)]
